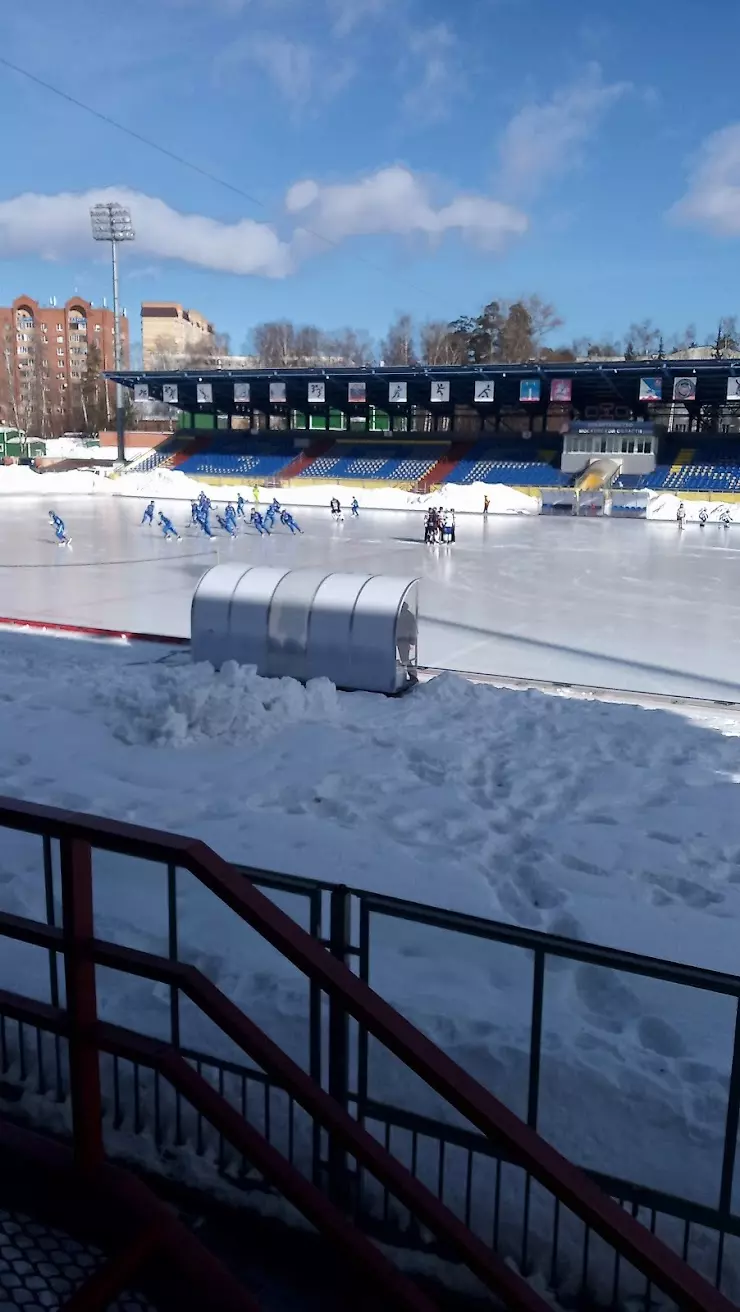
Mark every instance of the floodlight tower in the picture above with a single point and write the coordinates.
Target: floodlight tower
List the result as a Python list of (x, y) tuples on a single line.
[(112, 223)]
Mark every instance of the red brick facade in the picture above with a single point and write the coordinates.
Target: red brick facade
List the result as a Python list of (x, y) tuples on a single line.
[(43, 360)]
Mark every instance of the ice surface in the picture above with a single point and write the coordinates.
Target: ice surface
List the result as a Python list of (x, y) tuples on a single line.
[(623, 604)]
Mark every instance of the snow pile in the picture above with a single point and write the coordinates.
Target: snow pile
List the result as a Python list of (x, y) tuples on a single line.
[(664, 505), (180, 707), (462, 499), (22, 480), (597, 821)]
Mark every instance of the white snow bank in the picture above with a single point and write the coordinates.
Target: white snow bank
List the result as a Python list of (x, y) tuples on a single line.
[(462, 499), (22, 480), (664, 505), (602, 822), (176, 486)]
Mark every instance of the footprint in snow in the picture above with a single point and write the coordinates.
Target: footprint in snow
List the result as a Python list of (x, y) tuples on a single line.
[(657, 1036), (606, 998)]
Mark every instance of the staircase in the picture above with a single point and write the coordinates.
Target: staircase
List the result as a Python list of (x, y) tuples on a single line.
[(336, 1173), (306, 458), (456, 452)]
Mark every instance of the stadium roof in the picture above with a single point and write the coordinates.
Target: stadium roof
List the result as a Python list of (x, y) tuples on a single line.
[(593, 383)]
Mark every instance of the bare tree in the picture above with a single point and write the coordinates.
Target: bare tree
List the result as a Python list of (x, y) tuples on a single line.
[(399, 346), (682, 341), (436, 345), (206, 352), (350, 346), (644, 338), (543, 318), (274, 343), (309, 345), (728, 336)]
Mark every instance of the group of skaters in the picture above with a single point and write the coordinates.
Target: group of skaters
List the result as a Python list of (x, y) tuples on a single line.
[(233, 517), (439, 526), (724, 519)]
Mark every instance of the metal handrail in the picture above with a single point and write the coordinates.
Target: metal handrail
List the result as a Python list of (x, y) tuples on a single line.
[(78, 833)]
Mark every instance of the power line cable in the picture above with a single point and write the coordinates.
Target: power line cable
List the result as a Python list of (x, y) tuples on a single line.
[(181, 159)]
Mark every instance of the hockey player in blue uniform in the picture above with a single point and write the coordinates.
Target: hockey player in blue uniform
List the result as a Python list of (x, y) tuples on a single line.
[(259, 523), (148, 516), (167, 527), (287, 519), (226, 525), (59, 529), (355, 508)]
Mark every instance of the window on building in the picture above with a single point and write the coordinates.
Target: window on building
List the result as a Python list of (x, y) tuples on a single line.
[(98, 327), (60, 339), (60, 350), (60, 327)]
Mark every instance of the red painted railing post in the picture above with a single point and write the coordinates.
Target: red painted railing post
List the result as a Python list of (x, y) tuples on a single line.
[(82, 1008), (339, 1047)]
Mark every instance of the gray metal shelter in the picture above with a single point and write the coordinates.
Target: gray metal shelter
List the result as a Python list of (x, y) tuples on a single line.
[(359, 630)]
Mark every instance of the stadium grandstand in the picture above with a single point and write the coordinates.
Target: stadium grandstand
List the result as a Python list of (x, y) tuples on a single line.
[(659, 425)]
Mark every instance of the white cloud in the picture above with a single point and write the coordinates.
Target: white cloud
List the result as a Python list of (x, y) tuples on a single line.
[(432, 75), (289, 65), (394, 200), (542, 141), (58, 227), (346, 15), (298, 71), (713, 197)]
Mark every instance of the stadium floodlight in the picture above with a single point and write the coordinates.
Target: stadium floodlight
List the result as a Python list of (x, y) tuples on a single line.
[(112, 222)]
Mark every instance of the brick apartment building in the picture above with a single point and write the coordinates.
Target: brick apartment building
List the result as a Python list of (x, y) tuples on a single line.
[(43, 361), (169, 333)]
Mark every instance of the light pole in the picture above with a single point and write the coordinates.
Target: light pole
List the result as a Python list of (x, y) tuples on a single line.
[(112, 223)]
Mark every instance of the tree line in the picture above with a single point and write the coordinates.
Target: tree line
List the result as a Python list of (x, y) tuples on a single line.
[(511, 332)]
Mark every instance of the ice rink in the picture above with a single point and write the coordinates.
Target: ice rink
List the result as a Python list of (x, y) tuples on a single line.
[(622, 604)]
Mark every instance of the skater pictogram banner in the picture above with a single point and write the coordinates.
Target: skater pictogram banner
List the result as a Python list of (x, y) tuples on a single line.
[(483, 390), (356, 393), (440, 392), (651, 389), (733, 389), (204, 393), (561, 389), (242, 392), (529, 389), (277, 393), (684, 389), (398, 393), (141, 391), (169, 393), (317, 393)]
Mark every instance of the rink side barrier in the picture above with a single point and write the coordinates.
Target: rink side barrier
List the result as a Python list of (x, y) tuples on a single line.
[(88, 631), (424, 672)]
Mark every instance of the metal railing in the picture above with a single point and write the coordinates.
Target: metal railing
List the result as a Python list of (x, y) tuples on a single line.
[(476, 1186)]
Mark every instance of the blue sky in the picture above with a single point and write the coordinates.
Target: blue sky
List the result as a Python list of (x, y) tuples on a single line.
[(392, 154)]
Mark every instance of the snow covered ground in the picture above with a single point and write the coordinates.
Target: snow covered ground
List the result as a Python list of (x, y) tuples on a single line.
[(601, 822)]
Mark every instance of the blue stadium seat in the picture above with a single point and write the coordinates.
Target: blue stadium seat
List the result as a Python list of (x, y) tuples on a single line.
[(240, 455), (490, 462), (355, 462)]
